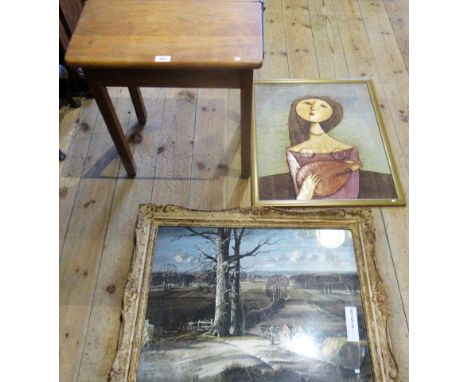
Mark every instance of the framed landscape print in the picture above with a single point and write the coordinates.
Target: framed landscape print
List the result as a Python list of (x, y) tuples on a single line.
[(319, 143), (254, 295)]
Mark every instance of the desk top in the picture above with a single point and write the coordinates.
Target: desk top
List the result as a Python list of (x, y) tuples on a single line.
[(168, 34)]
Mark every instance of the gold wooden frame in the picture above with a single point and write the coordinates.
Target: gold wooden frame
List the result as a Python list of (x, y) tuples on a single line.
[(399, 201), (358, 221)]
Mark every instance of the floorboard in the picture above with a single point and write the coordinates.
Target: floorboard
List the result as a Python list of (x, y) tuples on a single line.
[(81, 255), (302, 60), (208, 180), (174, 148), (75, 136), (104, 319), (189, 154), (398, 13)]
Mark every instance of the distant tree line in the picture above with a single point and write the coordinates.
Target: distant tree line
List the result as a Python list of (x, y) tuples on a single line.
[(168, 278), (326, 283)]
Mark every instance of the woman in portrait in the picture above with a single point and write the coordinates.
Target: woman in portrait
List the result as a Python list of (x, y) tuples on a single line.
[(321, 167)]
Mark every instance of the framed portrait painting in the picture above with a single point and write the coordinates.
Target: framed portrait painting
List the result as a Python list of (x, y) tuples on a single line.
[(255, 295), (319, 143)]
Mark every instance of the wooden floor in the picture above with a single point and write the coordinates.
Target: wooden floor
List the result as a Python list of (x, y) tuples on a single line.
[(188, 154)]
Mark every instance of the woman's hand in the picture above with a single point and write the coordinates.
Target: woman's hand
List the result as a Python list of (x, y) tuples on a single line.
[(308, 186)]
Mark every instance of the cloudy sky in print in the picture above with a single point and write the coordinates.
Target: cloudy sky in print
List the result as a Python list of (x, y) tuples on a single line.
[(292, 251)]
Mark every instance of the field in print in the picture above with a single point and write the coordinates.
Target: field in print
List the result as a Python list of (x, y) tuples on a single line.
[(252, 305)]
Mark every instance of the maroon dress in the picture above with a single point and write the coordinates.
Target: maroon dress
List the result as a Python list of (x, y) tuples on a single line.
[(350, 190)]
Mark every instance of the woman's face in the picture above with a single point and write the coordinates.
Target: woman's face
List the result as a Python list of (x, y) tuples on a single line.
[(314, 110)]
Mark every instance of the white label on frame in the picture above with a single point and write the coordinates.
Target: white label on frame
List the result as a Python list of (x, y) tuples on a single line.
[(352, 329), (162, 58)]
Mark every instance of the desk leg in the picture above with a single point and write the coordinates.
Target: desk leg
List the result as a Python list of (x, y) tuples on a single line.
[(138, 104), (246, 83), (115, 129)]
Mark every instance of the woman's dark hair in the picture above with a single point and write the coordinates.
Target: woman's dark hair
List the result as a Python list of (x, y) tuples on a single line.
[(299, 128)]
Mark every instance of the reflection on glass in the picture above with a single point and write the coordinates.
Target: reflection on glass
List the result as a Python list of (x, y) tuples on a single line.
[(233, 304), (331, 238)]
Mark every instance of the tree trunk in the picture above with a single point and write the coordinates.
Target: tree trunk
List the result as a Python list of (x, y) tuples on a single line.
[(222, 318), (236, 314)]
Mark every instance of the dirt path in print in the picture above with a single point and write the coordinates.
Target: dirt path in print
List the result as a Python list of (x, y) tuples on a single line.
[(311, 317), (202, 358), (209, 356)]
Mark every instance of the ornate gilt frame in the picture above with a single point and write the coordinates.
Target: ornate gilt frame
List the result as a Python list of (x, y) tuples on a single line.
[(399, 201), (358, 221)]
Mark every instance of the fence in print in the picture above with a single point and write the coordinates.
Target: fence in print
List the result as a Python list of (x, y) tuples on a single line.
[(199, 326)]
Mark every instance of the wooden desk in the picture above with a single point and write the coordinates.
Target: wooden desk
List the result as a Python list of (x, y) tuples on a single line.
[(179, 43)]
